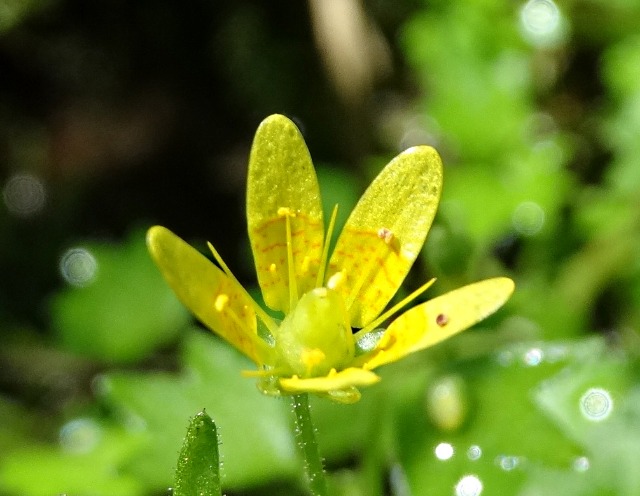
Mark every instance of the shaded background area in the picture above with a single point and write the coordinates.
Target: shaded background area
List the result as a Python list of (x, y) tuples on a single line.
[(116, 116)]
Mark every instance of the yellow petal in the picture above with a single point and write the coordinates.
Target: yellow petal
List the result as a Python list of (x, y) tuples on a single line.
[(439, 319), (282, 182), (213, 297), (332, 382), (385, 233)]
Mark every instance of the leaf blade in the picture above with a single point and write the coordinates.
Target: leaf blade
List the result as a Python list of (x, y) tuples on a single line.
[(198, 467)]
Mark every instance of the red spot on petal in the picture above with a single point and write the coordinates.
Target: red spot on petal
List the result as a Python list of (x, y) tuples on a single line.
[(442, 320)]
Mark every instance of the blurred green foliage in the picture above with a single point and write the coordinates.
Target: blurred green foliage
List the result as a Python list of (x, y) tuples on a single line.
[(134, 323), (114, 117)]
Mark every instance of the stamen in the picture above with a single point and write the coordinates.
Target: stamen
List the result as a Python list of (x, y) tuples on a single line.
[(222, 306), (293, 286), (221, 302), (386, 234), (286, 212), (262, 315), (393, 309), (336, 279), (325, 248), (272, 268)]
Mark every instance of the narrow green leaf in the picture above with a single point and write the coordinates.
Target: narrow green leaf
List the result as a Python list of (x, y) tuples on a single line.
[(198, 470)]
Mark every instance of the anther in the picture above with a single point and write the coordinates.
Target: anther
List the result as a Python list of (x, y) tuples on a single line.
[(273, 268), (285, 212), (221, 302), (336, 279), (385, 234)]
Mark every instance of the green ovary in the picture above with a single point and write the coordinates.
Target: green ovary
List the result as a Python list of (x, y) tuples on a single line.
[(316, 337)]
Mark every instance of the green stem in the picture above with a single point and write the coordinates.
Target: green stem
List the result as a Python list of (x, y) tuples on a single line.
[(306, 438)]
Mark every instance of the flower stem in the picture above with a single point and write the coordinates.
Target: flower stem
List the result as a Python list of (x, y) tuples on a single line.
[(306, 438)]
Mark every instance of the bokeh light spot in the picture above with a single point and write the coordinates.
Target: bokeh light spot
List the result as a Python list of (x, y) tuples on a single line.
[(469, 485), (24, 195), (596, 404), (533, 357), (444, 451), (80, 436), (508, 462), (581, 464), (474, 452), (78, 267), (446, 402), (541, 22), (528, 218)]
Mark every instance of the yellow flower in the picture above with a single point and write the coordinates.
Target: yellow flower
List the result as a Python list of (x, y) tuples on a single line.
[(314, 349)]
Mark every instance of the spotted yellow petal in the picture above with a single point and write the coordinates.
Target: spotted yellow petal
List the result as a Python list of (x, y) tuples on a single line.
[(216, 299), (282, 187), (385, 233), (334, 381), (440, 318)]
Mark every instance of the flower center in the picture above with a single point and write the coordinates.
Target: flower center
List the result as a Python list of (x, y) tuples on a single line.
[(316, 336)]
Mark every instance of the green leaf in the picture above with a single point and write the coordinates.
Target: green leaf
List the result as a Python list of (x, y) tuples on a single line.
[(532, 418), (122, 314), (198, 471), (87, 462), (596, 402), (478, 423), (158, 402)]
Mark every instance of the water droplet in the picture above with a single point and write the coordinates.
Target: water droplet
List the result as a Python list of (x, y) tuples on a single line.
[(78, 267), (581, 464), (469, 485), (533, 357), (24, 195), (80, 436), (444, 451), (528, 218), (596, 404), (541, 23), (369, 341), (474, 452)]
